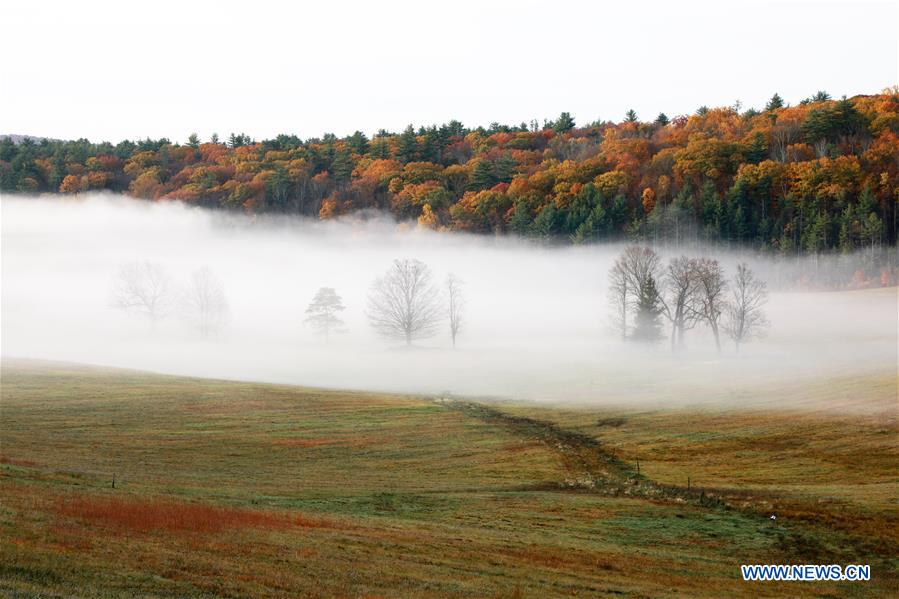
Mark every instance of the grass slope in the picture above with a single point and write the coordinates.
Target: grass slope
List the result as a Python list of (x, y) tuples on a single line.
[(235, 489)]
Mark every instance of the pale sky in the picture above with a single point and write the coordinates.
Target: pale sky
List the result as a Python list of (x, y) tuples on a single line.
[(115, 70)]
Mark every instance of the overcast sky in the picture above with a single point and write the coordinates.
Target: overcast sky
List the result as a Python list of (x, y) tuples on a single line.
[(115, 70)]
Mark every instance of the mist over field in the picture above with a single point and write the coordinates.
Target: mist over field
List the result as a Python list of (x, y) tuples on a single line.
[(536, 321)]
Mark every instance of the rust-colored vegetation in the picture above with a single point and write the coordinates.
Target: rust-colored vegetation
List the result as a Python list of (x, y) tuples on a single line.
[(149, 515)]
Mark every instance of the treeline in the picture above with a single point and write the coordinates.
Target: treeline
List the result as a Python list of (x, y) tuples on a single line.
[(687, 292), (818, 176)]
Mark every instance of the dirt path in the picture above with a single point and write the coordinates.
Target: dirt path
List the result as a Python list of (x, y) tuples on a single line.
[(590, 468)]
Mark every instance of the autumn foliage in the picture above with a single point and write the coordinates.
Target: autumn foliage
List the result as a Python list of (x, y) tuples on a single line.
[(819, 175)]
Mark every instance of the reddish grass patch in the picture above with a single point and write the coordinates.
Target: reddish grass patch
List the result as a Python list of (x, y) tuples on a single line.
[(355, 441), (14, 462), (305, 442), (521, 446), (145, 515)]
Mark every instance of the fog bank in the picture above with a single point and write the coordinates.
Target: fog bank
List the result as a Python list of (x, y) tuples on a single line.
[(536, 322)]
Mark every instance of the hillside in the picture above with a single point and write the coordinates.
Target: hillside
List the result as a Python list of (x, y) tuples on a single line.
[(811, 177), (119, 483)]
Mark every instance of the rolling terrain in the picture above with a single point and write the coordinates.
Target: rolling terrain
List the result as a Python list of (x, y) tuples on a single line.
[(119, 483)]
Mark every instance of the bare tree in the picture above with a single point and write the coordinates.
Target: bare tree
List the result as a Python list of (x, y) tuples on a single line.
[(619, 297), (404, 303), (745, 318), (455, 304), (634, 272), (143, 288), (711, 302), (322, 312), (681, 298), (203, 301)]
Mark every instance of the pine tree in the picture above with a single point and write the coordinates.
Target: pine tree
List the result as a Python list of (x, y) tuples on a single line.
[(592, 227), (357, 142), (774, 103), (648, 320), (564, 123), (505, 168), (483, 176), (407, 146), (380, 149), (342, 166), (546, 221), (322, 312), (521, 220)]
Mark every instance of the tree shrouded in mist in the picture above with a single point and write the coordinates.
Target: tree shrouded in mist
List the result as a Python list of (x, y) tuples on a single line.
[(455, 304), (143, 288), (681, 297), (404, 303), (632, 279), (711, 299), (323, 312), (204, 301), (744, 316), (648, 322)]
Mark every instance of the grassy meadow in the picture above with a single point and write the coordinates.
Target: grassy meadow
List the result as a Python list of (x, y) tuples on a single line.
[(119, 484)]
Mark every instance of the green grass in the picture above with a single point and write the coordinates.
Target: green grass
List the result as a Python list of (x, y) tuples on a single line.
[(327, 493)]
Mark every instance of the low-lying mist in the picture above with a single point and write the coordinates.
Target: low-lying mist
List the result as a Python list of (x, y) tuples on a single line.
[(536, 322)]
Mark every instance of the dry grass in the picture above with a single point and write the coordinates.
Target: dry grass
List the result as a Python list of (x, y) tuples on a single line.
[(269, 491)]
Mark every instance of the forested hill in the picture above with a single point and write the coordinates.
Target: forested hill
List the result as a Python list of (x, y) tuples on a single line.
[(823, 174)]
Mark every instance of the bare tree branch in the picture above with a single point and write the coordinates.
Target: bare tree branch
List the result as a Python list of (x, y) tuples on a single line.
[(745, 318), (203, 301), (143, 288), (455, 304), (404, 304)]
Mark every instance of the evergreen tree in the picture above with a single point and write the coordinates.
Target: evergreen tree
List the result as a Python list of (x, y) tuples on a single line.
[(407, 146), (546, 222), (774, 103), (380, 149), (505, 168), (342, 166), (758, 149), (322, 312), (521, 220), (592, 227), (278, 189), (483, 176), (357, 142), (630, 116), (848, 229), (564, 123), (662, 119), (648, 320)]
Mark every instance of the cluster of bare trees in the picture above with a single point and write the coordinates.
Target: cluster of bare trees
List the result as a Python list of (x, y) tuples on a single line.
[(404, 304), (146, 289), (686, 292)]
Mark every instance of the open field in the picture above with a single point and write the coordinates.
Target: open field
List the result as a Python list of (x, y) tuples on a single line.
[(237, 489)]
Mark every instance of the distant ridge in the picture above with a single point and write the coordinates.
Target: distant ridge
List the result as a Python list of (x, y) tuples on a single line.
[(18, 139)]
